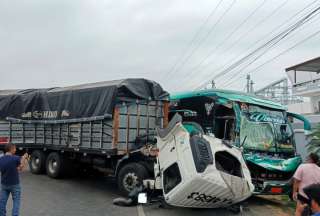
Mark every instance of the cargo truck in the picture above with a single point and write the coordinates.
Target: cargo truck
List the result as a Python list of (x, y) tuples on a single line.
[(121, 128)]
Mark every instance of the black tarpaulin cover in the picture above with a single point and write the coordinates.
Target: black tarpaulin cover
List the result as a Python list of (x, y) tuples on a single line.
[(75, 103)]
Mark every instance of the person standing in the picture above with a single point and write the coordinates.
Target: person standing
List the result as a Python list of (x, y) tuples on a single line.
[(313, 193), (10, 165), (306, 174)]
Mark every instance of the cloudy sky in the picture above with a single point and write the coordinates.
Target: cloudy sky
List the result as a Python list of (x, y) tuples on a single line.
[(63, 42)]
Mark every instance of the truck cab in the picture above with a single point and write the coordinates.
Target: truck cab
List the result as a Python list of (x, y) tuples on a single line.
[(198, 170)]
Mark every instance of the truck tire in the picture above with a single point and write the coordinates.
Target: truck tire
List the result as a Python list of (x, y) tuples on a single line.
[(55, 165), (37, 162), (129, 176)]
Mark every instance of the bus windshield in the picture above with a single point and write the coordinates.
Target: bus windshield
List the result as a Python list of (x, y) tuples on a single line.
[(265, 130)]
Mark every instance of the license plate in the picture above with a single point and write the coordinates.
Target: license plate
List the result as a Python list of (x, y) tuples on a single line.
[(276, 190)]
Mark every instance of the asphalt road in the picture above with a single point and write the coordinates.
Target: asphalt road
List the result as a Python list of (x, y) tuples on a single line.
[(92, 196)]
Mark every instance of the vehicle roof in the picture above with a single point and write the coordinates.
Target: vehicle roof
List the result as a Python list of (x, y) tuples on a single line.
[(229, 95)]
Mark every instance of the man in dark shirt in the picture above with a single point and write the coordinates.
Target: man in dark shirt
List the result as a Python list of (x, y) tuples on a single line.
[(313, 194), (10, 165)]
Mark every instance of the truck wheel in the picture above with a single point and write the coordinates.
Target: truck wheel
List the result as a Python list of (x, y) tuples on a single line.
[(131, 175), (55, 165), (37, 162)]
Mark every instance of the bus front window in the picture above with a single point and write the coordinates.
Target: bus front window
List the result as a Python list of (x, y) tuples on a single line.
[(265, 130)]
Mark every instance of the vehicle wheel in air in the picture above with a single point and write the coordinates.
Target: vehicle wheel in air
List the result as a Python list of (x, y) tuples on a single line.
[(37, 162), (131, 175), (55, 165)]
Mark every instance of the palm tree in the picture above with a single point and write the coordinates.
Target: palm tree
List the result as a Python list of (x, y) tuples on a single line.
[(314, 144)]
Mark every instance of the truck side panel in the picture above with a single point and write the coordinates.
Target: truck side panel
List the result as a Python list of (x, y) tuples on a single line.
[(134, 120)]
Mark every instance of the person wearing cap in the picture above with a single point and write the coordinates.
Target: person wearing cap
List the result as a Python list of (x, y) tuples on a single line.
[(307, 174)]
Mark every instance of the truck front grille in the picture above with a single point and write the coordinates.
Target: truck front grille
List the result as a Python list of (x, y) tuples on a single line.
[(201, 152)]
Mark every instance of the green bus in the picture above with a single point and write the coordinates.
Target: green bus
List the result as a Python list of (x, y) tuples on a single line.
[(260, 127)]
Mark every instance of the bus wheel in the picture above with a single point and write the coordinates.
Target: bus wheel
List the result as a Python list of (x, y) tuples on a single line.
[(130, 176), (37, 162)]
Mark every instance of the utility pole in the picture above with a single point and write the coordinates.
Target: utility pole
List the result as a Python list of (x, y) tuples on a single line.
[(213, 84), (248, 83), (285, 92), (251, 86)]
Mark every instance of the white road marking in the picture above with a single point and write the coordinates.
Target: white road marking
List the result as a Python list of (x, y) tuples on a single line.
[(140, 210)]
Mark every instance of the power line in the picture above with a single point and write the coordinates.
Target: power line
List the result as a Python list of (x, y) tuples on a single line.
[(256, 58), (256, 25), (233, 81), (309, 17), (266, 45), (276, 28), (195, 36), (283, 52), (204, 38), (242, 69), (226, 38), (280, 54)]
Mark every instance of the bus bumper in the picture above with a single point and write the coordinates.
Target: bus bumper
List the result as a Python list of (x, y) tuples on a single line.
[(274, 188)]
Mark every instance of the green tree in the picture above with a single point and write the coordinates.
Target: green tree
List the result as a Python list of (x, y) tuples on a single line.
[(314, 144)]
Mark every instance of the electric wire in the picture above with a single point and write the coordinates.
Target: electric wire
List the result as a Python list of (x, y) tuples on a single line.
[(195, 36), (238, 72), (275, 29), (266, 45), (203, 39), (213, 51), (281, 53), (234, 77)]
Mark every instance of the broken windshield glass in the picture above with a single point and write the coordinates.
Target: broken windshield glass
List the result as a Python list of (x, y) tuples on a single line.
[(265, 130)]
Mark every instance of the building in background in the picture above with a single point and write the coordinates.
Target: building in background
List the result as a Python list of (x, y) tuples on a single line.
[(279, 91), (305, 79)]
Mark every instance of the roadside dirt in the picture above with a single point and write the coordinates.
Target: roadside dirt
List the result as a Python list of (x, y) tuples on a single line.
[(271, 205)]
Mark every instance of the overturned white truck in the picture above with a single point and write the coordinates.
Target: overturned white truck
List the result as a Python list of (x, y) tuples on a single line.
[(198, 170), (121, 128)]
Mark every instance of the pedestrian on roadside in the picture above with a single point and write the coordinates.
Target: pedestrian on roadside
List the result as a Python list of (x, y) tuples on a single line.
[(10, 166), (307, 174), (313, 193)]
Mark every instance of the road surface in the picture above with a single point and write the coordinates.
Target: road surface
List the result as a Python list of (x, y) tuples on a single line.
[(92, 196)]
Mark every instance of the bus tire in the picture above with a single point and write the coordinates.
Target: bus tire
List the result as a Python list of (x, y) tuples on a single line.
[(130, 176), (37, 162)]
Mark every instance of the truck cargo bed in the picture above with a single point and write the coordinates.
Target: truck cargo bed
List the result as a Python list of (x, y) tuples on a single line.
[(112, 136)]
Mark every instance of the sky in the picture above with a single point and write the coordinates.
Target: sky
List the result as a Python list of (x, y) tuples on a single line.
[(66, 42)]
